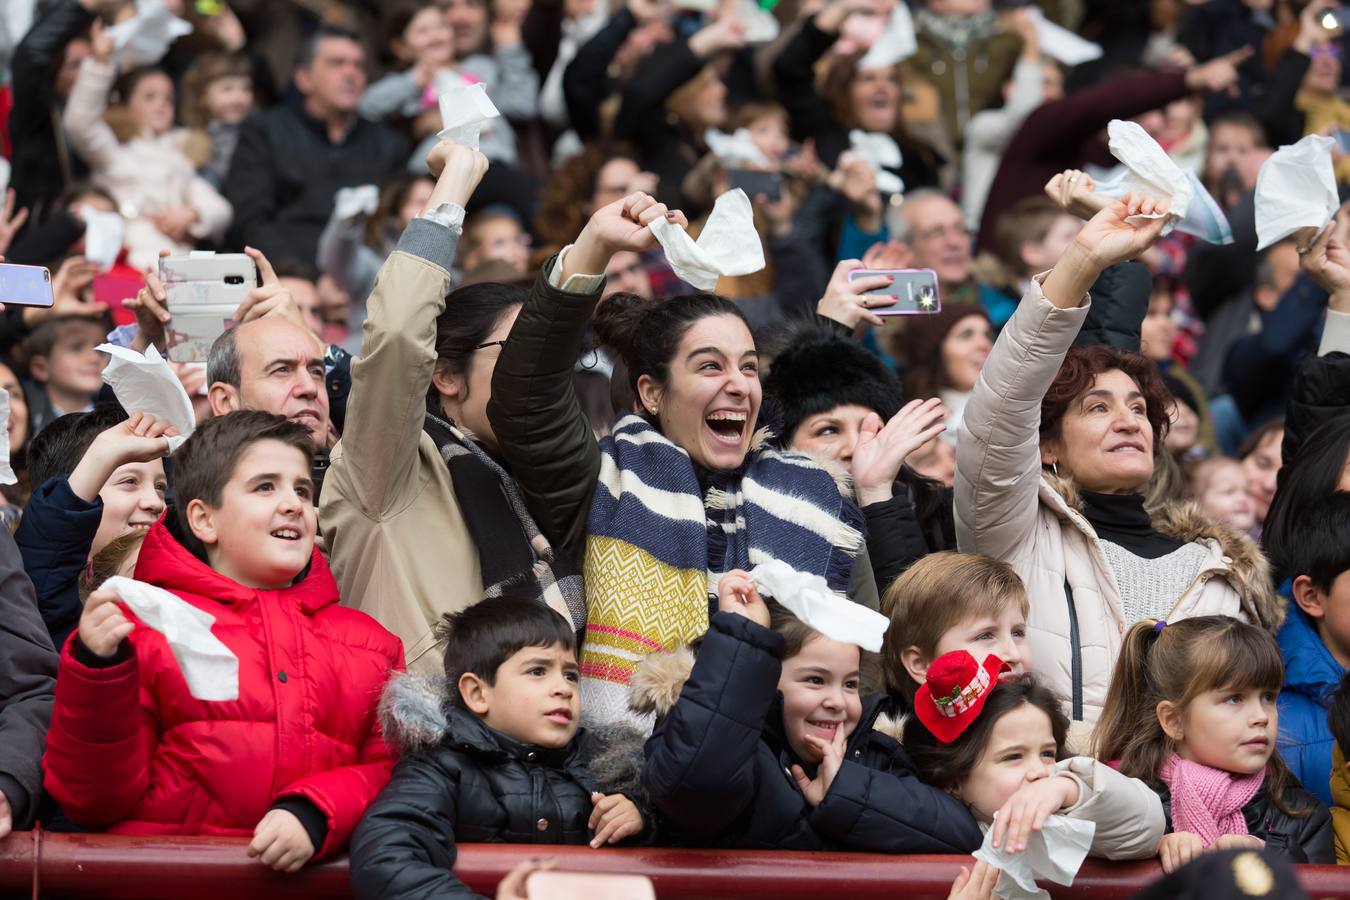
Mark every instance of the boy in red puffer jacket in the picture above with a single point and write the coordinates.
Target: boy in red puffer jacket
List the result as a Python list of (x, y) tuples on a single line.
[(295, 759)]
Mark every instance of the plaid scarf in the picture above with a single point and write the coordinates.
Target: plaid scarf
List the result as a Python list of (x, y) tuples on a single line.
[(511, 550), (659, 537)]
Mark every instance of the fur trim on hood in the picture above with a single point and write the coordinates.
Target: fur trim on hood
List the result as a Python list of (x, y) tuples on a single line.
[(1248, 570), (658, 680)]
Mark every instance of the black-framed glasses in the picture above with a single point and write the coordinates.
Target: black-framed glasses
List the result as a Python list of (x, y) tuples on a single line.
[(501, 343)]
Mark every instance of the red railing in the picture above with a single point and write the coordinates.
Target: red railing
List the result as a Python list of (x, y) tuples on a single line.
[(203, 868)]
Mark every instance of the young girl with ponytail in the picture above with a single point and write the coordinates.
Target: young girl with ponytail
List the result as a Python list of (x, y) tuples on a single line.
[(1191, 711)]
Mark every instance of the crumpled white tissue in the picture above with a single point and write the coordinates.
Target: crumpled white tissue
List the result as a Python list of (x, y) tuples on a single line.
[(1149, 170), (760, 25), (882, 153), (728, 245), (1060, 43), (146, 384), (464, 109), (350, 202), (5, 169), (896, 41), (1055, 853), (103, 235), (735, 149), (210, 669), (809, 598), (144, 39), (6, 470), (1296, 188)]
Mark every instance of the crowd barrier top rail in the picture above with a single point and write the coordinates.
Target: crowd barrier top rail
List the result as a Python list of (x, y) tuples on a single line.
[(47, 864)]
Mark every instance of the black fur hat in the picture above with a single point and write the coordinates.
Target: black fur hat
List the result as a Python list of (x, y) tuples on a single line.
[(818, 369)]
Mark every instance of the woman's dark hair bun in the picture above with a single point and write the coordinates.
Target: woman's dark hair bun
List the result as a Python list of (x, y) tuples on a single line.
[(617, 320)]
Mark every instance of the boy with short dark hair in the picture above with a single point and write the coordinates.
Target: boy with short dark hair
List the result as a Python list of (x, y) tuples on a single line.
[(492, 754), (293, 753), (65, 367), (1315, 637)]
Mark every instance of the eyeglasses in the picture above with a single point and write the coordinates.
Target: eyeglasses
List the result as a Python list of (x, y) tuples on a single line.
[(501, 343)]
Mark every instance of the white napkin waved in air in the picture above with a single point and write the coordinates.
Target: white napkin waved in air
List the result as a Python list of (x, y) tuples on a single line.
[(1149, 170), (882, 153), (896, 41), (210, 669), (1055, 853), (6, 470), (728, 245), (809, 598), (1060, 43), (1296, 188), (351, 202), (464, 109), (103, 235), (146, 384), (736, 149), (144, 39), (760, 25)]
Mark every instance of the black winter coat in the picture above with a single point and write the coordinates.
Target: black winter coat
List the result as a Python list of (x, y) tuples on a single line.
[(1299, 839), (459, 781), (55, 535), (718, 766)]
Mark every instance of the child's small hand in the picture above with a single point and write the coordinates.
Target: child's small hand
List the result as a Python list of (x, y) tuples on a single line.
[(614, 818), (1179, 848), (1029, 807), (831, 759), (281, 842), (976, 884), (1237, 842), (736, 593), (102, 624), (512, 887)]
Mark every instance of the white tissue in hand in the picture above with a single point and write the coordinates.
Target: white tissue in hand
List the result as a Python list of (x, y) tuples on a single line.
[(1060, 43), (103, 234), (760, 24), (1055, 853), (351, 202), (882, 153), (728, 245), (210, 669), (1295, 189), (809, 598), (895, 43), (464, 109), (146, 384), (735, 149), (144, 39), (6, 470)]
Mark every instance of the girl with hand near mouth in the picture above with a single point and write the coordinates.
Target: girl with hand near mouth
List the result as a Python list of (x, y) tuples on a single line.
[(1202, 733)]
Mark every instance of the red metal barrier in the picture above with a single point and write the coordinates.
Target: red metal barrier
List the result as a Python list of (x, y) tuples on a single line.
[(203, 868)]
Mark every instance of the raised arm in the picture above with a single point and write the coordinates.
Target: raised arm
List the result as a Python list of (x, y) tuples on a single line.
[(92, 137)]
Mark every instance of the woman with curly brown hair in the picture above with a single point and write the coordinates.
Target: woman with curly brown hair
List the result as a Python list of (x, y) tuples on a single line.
[(597, 176), (1056, 451)]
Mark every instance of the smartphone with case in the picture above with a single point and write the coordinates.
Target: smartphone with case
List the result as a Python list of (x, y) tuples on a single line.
[(202, 291), (754, 183), (25, 285), (552, 885), (915, 291)]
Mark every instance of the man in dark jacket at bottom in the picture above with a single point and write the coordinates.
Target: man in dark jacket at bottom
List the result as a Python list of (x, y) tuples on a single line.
[(27, 691)]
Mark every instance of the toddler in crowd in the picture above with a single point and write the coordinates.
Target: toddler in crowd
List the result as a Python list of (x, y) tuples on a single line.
[(493, 754), (217, 97), (100, 485), (999, 748), (65, 367), (494, 234), (759, 702), (1315, 637), (1185, 716), (296, 756), (1219, 485)]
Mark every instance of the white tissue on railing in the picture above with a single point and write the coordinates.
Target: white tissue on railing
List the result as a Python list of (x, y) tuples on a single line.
[(1296, 188), (728, 244), (146, 384), (144, 39), (464, 109), (6, 470), (735, 149), (1055, 853), (1060, 43), (103, 235), (896, 41), (210, 669), (351, 202), (881, 152), (809, 598)]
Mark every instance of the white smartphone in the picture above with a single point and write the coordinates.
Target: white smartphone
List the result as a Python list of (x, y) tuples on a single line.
[(202, 291), (25, 285)]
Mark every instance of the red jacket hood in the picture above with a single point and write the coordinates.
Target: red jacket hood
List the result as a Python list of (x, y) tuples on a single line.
[(166, 563)]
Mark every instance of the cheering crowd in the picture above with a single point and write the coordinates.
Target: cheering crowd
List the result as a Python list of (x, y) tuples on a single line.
[(494, 521)]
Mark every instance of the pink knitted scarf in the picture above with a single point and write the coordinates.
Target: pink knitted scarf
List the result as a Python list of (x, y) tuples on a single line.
[(1208, 801)]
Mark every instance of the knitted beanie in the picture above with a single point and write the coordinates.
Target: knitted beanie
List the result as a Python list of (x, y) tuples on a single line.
[(819, 369)]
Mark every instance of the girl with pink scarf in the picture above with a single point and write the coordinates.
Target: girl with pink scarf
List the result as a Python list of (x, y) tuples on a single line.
[(1191, 711)]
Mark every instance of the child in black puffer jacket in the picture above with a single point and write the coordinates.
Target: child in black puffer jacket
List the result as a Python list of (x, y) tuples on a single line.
[(493, 755), (767, 744)]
